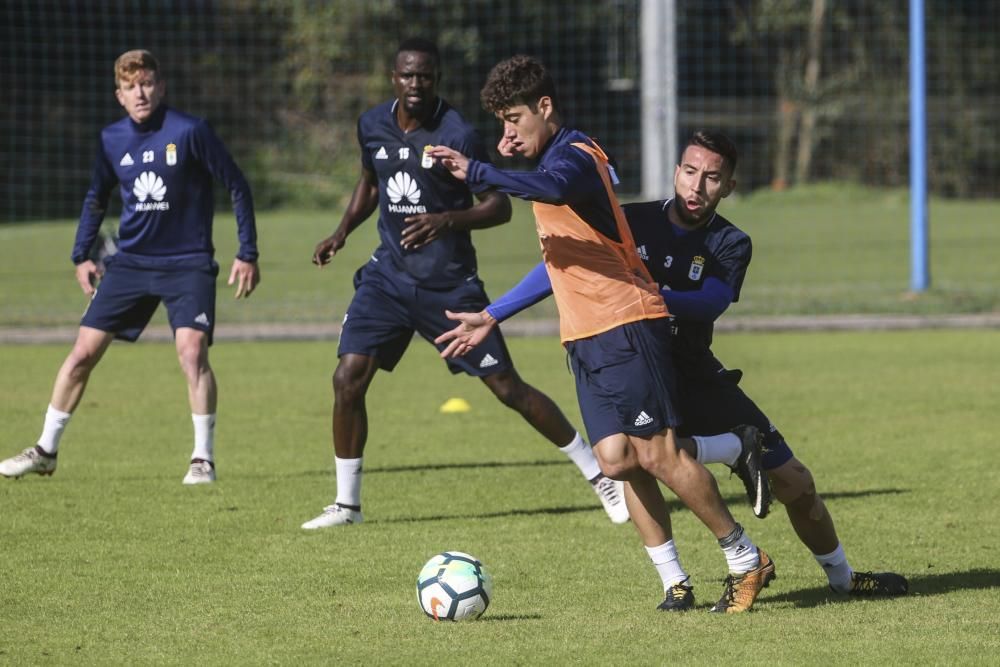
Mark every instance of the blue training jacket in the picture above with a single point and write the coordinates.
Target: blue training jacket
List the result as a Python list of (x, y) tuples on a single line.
[(165, 168)]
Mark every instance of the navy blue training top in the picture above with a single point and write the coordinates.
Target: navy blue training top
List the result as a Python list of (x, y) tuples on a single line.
[(684, 260), (565, 176), (409, 184), (165, 167)]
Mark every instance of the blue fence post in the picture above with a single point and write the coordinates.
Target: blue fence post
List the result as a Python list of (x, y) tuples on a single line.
[(919, 245)]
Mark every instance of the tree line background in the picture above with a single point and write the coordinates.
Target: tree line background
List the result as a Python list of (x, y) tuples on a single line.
[(811, 90)]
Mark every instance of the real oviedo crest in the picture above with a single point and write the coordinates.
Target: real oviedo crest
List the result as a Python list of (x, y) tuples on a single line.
[(697, 266)]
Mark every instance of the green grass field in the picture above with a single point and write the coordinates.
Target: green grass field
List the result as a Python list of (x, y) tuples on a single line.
[(113, 561), (819, 250)]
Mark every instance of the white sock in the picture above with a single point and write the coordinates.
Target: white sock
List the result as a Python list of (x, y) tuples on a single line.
[(741, 554), (348, 481), (55, 424), (667, 564), (837, 569), (580, 453), (204, 437), (722, 448)]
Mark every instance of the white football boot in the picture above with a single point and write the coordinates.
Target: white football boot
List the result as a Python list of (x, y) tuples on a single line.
[(334, 515), (30, 460), (612, 495), (200, 472)]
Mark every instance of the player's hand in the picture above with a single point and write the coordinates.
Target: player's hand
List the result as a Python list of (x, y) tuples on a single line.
[(473, 328), (505, 147), (327, 248), (452, 160), (246, 276), (87, 274), (423, 228)]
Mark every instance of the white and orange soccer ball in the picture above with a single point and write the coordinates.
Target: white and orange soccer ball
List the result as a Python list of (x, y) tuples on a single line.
[(453, 586)]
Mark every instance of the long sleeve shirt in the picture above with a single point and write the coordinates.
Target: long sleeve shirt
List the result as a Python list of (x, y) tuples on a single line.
[(590, 257), (165, 168)]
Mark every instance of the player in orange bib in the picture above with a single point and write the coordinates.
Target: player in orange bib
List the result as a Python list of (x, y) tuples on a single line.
[(613, 322)]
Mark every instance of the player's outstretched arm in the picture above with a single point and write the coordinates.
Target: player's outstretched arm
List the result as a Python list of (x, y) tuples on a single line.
[(363, 203), (704, 304), (473, 328), (452, 160), (246, 276), (569, 178)]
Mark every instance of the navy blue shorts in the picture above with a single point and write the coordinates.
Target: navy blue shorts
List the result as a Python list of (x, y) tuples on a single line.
[(625, 380), (385, 313), (711, 402), (127, 297)]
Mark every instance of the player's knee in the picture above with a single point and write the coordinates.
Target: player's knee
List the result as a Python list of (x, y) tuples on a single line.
[(83, 358), (506, 394), (345, 383), (82, 361), (660, 457), (189, 356), (349, 382), (808, 505), (621, 471), (793, 485), (509, 389), (617, 459), (654, 461), (192, 350), (193, 358)]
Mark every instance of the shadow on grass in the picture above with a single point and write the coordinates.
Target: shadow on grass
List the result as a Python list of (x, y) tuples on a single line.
[(421, 467), (462, 466), (740, 499), (327, 472), (920, 586), (834, 495), (979, 578), (674, 505), (536, 511), (672, 500), (509, 617)]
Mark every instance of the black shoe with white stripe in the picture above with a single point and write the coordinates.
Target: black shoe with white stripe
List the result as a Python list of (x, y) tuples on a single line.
[(748, 468)]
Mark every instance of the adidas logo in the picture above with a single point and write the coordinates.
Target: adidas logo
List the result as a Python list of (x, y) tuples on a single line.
[(643, 419), (380, 154), (643, 255), (740, 549), (488, 361), (202, 320), (126, 160)]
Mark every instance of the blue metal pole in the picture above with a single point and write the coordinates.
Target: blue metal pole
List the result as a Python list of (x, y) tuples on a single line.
[(919, 264)]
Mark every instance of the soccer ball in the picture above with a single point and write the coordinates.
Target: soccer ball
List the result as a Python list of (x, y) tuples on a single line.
[(453, 586)]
